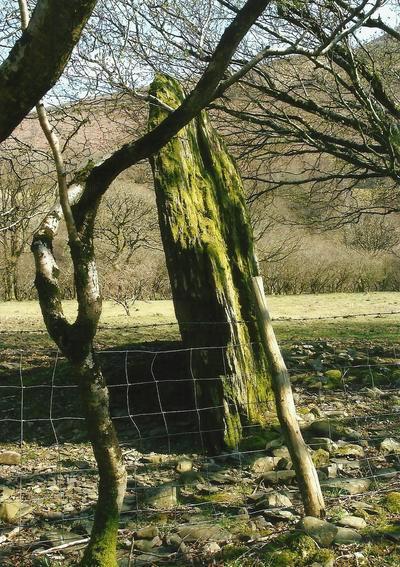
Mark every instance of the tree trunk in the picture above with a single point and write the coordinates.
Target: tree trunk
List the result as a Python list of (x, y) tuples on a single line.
[(306, 473), (208, 244), (100, 551)]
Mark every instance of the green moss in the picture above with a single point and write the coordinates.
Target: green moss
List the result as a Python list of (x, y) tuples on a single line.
[(320, 457), (324, 556), (208, 242), (392, 502)]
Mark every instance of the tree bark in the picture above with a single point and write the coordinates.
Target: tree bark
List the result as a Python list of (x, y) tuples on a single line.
[(75, 342), (306, 473), (39, 57), (208, 244)]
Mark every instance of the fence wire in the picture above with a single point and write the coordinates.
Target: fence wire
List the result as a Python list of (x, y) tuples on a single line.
[(354, 413)]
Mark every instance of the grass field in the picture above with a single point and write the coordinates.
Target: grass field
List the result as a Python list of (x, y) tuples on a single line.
[(155, 320)]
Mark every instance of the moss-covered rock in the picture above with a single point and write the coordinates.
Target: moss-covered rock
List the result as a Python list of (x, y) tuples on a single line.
[(209, 249), (320, 457), (392, 502)]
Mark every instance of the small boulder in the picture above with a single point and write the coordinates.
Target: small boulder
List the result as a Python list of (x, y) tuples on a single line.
[(264, 464), (184, 465), (390, 445), (320, 530), (345, 536), (275, 477), (10, 458), (354, 522)]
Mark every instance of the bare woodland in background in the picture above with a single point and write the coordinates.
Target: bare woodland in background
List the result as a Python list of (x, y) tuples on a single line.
[(323, 221)]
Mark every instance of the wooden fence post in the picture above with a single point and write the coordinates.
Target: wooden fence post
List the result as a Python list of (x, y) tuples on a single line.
[(306, 473)]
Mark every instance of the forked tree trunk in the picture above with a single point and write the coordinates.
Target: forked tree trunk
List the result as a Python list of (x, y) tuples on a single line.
[(208, 244)]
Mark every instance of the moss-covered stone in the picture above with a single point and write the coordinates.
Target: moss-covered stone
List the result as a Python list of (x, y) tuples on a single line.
[(320, 458), (392, 502), (208, 243)]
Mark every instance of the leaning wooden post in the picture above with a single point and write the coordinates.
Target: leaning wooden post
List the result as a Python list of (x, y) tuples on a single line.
[(306, 474)]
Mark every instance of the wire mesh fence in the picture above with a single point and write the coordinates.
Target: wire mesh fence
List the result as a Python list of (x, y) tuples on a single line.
[(348, 404)]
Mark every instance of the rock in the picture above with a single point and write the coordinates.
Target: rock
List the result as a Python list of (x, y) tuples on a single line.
[(320, 530), (275, 477), (194, 533), (183, 466), (334, 430), (264, 464), (211, 548), (347, 486), (155, 459), (148, 532), (190, 477), (322, 443), (162, 497), (330, 471), (390, 445), (174, 540), (10, 458), (277, 500), (11, 512), (348, 450), (392, 502), (346, 536), (352, 522), (320, 457), (147, 545), (5, 493), (345, 465), (281, 453)]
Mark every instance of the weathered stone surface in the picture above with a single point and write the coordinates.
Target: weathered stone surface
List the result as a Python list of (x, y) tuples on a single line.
[(211, 548), (346, 536), (194, 533), (321, 531), (348, 450), (185, 465), (354, 522), (347, 486), (390, 445), (10, 512), (320, 458), (10, 458), (209, 247), (148, 532), (264, 464), (322, 443), (275, 477), (162, 497)]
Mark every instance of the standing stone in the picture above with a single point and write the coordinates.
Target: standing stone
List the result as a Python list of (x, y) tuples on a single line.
[(209, 249)]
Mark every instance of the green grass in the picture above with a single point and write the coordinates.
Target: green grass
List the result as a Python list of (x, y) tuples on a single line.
[(155, 320)]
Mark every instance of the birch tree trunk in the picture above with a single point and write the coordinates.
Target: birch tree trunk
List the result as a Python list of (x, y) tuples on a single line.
[(208, 244)]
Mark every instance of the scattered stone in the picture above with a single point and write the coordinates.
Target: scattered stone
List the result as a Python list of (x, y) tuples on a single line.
[(390, 445), (148, 532), (275, 477), (162, 497), (392, 502), (5, 493), (11, 512), (320, 530), (347, 486), (322, 443), (345, 465), (10, 458), (352, 522), (183, 466), (277, 500), (345, 536), (281, 452), (349, 450), (146, 545), (320, 458), (194, 533), (211, 548), (264, 464), (330, 471)]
